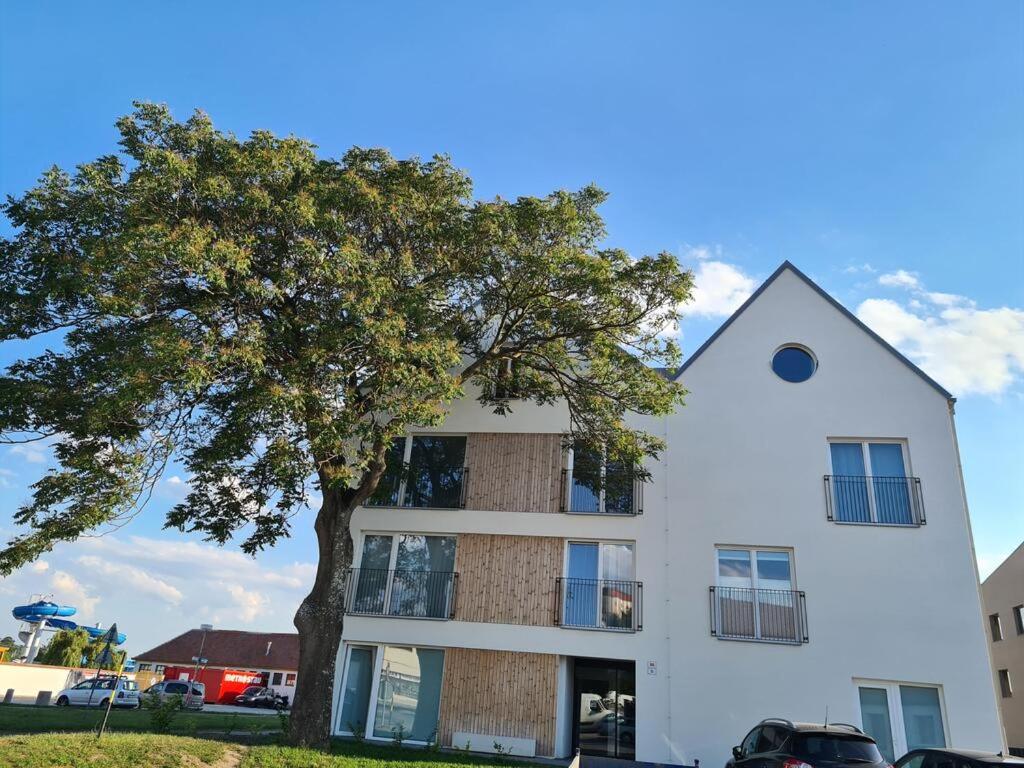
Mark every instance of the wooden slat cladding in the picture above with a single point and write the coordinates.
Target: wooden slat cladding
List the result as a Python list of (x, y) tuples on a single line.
[(507, 579), (511, 472), (500, 693)]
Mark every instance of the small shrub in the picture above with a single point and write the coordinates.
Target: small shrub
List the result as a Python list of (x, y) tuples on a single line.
[(433, 743), (162, 712), (398, 734), (284, 720), (358, 731)]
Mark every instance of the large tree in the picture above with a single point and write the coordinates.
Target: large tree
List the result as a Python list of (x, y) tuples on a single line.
[(273, 320)]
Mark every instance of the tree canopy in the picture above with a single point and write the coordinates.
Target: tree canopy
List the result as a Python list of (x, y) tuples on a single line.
[(271, 317)]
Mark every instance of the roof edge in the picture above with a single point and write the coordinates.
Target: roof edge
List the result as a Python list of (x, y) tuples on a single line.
[(835, 303)]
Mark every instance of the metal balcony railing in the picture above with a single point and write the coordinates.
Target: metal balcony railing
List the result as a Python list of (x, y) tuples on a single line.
[(599, 604), (419, 488), (401, 593), (874, 500), (612, 492), (768, 615)]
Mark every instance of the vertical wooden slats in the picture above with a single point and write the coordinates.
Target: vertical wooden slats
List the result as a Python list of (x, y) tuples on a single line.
[(510, 472), (507, 579), (500, 693)]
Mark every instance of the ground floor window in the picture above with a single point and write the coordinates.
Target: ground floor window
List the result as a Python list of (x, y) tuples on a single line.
[(902, 716), (391, 691)]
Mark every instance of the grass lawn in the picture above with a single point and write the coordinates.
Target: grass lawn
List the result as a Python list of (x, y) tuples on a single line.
[(116, 750), (15, 718), (128, 750), (348, 754)]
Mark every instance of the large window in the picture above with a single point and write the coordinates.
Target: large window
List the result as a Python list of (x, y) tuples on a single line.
[(407, 575), (601, 484), (1018, 618), (870, 484), (755, 596), (598, 590), (423, 471), (901, 717), (391, 691)]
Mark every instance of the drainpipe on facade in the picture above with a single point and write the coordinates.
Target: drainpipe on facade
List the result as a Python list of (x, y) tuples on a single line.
[(668, 593)]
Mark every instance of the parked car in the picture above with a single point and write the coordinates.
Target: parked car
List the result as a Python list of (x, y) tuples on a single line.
[(192, 694), (258, 696), (779, 743), (96, 692), (956, 758)]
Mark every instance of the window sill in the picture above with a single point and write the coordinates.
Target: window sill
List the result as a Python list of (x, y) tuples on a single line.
[(870, 524), (396, 616), (616, 630), (759, 640), (602, 514)]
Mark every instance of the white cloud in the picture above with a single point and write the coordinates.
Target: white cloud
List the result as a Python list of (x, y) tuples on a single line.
[(248, 604), (39, 566), (30, 452), (966, 349), (899, 279), (175, 480), (67, 590), (130, 577), (856, 269), (719, 289)]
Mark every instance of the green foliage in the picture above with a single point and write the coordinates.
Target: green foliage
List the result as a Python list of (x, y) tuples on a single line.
[(93, 652), (162, 710), (273, 318), (65, 649)]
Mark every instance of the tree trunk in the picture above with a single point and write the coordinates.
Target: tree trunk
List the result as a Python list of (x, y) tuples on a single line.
[(319, 621)]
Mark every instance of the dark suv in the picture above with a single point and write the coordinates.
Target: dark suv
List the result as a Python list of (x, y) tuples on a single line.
[(778, 743)]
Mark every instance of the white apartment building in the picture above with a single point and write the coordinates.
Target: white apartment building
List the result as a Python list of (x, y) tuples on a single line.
[(802, 545)]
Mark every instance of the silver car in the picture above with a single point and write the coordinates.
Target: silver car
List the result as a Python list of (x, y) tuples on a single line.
[(192, 694)]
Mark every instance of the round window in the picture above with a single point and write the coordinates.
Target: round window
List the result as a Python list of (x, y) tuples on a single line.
[(794, 364)]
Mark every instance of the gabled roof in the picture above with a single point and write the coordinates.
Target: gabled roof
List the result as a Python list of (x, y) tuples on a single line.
[(786, 265), (230, 648)]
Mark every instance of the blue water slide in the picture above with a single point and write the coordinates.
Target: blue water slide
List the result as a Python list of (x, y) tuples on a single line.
[(96, 634), (51, 613), (41, 610)]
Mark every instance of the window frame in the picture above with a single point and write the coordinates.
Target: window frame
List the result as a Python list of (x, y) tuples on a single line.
[(636, 503), (1005, 683), (1018, 618), (897, 726), (995, 627), (403, 481), (371, 714), (600, 626), (865, 446), (392, 563), (752, 550)]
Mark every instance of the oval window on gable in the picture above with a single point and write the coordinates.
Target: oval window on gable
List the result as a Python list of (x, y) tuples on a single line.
[(794, 364)]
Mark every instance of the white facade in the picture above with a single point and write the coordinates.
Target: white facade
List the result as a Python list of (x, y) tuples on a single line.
[(894, 609)]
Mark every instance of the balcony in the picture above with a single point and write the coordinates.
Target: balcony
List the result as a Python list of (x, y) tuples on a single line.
[(422, 488), (401, 593), (864, 500), (612, 491), (599, 604), (763, 615)]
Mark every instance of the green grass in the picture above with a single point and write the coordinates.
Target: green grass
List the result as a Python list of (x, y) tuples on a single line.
[(128, 750), (348, 754), (116, 750), (15, 718)]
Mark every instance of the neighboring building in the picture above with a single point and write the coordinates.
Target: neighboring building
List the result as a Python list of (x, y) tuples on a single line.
[(234, 659), (801, 547), (1003, 593)]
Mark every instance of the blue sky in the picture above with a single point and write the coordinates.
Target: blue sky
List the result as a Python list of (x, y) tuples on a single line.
[(879, 148)]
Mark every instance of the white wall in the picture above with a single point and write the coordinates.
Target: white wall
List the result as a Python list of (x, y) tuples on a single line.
[(747, 455)]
